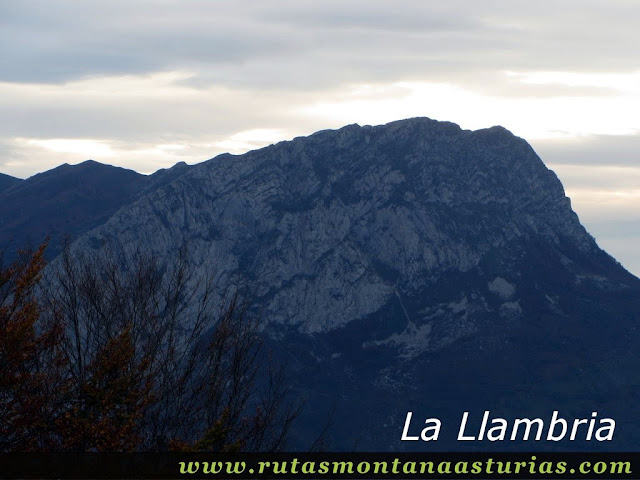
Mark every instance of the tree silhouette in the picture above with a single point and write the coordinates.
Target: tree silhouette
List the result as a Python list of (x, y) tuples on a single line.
[(105, 358), (30, 358)]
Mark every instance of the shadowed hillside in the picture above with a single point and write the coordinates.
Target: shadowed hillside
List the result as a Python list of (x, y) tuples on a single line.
[(70, 200)]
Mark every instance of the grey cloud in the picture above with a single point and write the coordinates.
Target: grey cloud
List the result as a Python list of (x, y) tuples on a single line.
[(619, 240), (7, 152), (402, 16), (78, 116), (617, 229), (611, 150), (56, 41), (62, 41)]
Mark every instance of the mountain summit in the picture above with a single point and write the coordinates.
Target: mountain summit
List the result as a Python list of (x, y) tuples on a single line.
[(413, 266)]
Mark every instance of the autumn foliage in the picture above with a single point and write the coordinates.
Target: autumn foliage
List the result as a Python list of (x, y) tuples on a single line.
[(97, 358), (30, 359)]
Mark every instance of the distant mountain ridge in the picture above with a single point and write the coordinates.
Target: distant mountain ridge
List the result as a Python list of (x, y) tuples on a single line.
[(7, 181), (69, 200)]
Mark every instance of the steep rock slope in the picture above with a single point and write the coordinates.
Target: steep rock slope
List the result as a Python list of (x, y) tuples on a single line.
[(410, 266), (328, 228)]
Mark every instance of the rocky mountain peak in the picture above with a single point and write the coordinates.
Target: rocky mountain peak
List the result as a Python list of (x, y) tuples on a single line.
[(333, 227), (403, 266)]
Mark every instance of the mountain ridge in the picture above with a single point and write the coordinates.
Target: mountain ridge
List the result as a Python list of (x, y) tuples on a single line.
[(68, 200), (7, 181)]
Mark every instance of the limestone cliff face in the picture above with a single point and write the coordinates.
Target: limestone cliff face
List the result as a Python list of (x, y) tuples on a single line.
[(331, 227), (403, 265)]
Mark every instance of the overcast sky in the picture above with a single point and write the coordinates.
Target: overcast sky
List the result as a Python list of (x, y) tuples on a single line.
[(145, 84)]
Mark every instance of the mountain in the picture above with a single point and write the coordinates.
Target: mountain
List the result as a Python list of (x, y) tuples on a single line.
[(7, 181), (165, 176), (70, 200), (412, 266)]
